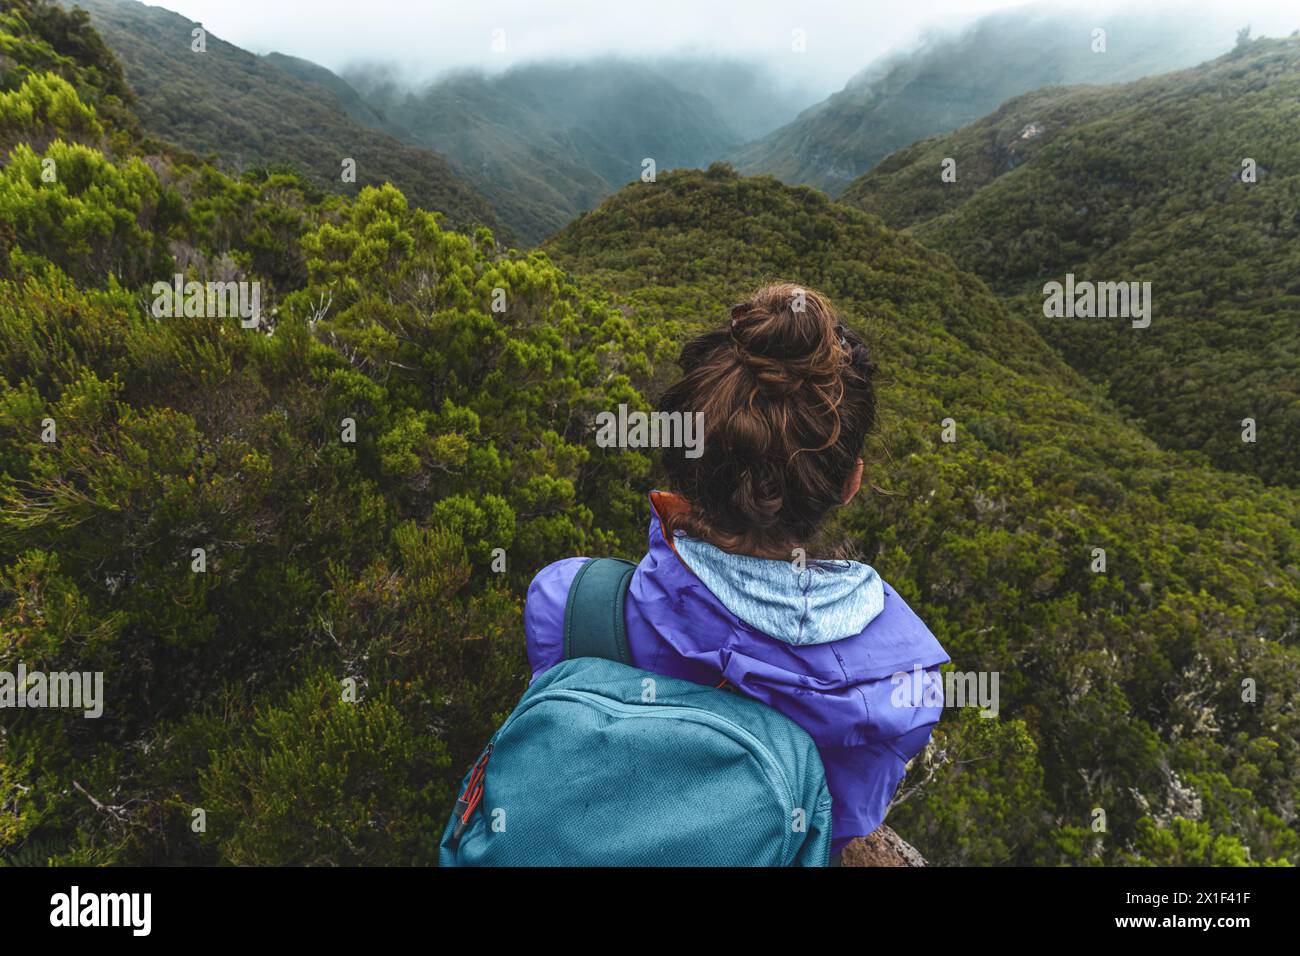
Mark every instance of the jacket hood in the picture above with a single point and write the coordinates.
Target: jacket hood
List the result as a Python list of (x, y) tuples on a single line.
[(769, 628), (825, 601)]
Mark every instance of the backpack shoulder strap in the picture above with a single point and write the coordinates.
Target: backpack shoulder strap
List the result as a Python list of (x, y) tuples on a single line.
[(593, 614)]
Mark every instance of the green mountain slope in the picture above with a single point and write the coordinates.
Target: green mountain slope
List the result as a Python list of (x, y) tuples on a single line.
[(349, 100), (1119, 690), (240, 107), (1067, 180), (546, 142), (951, 81)]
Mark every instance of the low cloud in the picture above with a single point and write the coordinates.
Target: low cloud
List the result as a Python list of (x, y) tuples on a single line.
[(422, 41)]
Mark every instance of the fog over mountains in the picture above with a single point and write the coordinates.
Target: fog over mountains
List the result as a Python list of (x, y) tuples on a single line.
[(952, 79), (542, 141), (548, 141)]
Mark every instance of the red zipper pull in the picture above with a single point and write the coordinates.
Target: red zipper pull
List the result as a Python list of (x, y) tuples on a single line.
[(472, 797)]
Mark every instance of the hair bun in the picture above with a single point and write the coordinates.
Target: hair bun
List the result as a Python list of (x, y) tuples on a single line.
[(786, 399), (788, 337)]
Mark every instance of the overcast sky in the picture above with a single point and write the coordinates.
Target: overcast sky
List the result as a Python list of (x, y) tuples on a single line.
[(426, 38)]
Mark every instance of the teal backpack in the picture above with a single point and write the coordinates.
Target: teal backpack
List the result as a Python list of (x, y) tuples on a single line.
[(604, 764)]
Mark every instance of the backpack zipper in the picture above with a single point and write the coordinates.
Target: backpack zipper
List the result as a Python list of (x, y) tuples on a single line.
[(472, 796)]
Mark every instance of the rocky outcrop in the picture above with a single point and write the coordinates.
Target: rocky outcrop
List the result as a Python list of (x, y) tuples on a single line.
[(883, 847)]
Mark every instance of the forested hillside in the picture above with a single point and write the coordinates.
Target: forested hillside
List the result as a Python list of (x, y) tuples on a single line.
[(1067, 180), (320, 673), (951, 80), (244, 112), (348, 98)]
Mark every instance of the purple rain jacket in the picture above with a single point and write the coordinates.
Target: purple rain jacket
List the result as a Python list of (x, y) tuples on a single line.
[(841, 687)]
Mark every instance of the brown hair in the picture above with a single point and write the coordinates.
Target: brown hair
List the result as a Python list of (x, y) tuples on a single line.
[(786, 395)]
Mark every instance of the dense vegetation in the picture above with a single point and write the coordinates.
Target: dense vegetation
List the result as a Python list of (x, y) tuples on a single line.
[(1066, 180), (331, 564), (951, 80), (247, 113), (348, 98), (325, 560)]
